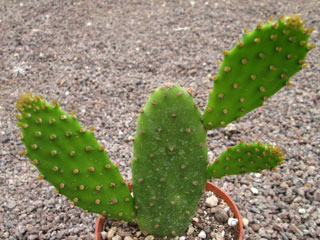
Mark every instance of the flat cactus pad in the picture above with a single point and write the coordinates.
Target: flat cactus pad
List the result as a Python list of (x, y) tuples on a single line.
[(256, 68), (246, 158), (169, 166), (70, 158)]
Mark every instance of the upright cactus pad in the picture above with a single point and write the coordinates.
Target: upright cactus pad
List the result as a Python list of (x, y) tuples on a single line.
[(246, 158), (169, 166), (69, 157), (256, 68)]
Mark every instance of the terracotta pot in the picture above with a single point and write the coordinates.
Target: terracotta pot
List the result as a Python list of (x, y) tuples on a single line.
[(209, 187)]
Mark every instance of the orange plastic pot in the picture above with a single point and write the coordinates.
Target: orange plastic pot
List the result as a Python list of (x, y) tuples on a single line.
[(209, 187)]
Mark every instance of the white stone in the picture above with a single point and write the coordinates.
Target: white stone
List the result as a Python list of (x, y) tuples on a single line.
[(104, 235), (302, 211), (150, 237), (257, 175), (18, 70), (212, 201), (202, 234), (245, 222), (195, 219), (190, 231), (11, 204), (182, 238), (217, 236), (232, 222), (311, 169), (111, 232), (230, 127), (116, 238), (254, 190), (130, 138)]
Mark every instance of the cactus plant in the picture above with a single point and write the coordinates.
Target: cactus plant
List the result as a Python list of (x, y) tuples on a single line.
[(170, 143)]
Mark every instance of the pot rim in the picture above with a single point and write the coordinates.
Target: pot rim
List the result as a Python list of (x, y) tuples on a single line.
[(209, 187)]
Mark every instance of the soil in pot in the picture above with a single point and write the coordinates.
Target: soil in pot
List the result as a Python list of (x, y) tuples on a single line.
[(212, 221)]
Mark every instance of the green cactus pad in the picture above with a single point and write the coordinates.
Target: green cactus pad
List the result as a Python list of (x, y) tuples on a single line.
[(246, 158), (256, 68), (169, 166), (69, 157)]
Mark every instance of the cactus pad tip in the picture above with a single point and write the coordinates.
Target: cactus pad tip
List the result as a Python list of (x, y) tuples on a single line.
[(294, 21), (25, 100), (167, 85), (246, 158)]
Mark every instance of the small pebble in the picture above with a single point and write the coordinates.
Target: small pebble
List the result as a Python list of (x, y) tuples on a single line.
[(150, 237), (202, 234), (11, 204), (117, 237), (245, 222), (104, 235), (232, 222), (255, 227), (212, 201), (254, 190), (190, 231), (257, 175), (221, 215), (195, 219), (219, 236), (111, 232)]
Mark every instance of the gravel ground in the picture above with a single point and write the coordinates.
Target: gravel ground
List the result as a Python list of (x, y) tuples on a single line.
[(94, 55)]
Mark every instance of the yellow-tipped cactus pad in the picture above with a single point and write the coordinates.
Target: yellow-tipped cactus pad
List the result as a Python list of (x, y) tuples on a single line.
[(70, 158), (246, 158), (256, 68)]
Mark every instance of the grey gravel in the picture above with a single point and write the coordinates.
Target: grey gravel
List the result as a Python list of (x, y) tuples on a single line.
[(102, 59)]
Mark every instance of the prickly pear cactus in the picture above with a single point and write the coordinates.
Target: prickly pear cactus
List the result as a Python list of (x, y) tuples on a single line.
[(245, 158), (169, 169), (256, 68), (170, 152), (69, 157)]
